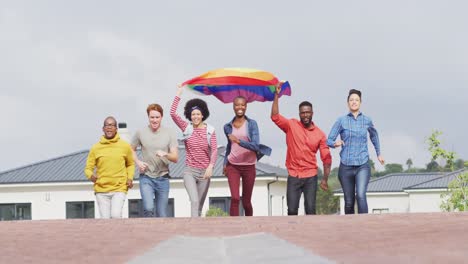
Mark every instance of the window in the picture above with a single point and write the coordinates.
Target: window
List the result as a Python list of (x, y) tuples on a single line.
[(224, 203), (20, 211), (380, 211), (135, 208), (80, 210)]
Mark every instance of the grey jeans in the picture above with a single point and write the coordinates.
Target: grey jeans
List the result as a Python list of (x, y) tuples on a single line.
[(111, 204), (197, 188)]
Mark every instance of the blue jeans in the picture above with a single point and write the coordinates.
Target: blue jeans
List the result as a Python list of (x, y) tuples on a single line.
[(295, 187), (154, 190), (354, 181)]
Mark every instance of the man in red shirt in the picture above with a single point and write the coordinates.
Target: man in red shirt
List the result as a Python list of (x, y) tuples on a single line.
[(303, 140)]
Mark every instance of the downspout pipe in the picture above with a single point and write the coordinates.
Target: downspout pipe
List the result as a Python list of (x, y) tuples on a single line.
[(269, 196)]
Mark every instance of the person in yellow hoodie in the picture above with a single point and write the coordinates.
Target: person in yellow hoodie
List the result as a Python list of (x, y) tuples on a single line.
[(111, 167)]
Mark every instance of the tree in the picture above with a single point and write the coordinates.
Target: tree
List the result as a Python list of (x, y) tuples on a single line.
[(438, 152), (432, 166), (456, 198), (393, 168), (409, 163), (459, 164), (326, 202), (372, 166)]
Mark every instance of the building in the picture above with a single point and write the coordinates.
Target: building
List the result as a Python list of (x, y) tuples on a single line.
[(58, 189), (406, 192)]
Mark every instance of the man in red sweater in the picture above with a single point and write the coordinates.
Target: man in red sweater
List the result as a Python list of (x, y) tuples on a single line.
[(303, 139)]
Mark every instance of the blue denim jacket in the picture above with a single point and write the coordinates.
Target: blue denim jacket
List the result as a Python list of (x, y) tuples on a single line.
[(254, 140)]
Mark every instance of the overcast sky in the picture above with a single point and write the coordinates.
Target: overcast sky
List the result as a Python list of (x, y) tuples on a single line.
[(66, 65)]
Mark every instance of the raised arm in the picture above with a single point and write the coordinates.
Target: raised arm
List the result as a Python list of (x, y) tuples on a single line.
[(278, 119), (182, 124), (274, 106)]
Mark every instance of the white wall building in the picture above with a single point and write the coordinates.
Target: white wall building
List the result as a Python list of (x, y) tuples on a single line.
[(406, 192)]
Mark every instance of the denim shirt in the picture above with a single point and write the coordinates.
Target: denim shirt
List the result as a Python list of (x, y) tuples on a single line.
[(353, 131), (254, 140)]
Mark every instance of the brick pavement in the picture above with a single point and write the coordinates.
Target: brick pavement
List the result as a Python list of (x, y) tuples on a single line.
[(390, 238)]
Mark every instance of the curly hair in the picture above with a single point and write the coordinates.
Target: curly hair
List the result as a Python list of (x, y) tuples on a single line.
[(197, 104)]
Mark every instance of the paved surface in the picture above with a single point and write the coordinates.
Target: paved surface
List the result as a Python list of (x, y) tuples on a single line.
[(390, 238), (245, 249)]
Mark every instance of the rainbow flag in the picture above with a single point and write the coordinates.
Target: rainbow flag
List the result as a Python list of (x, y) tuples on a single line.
[(228, 83)]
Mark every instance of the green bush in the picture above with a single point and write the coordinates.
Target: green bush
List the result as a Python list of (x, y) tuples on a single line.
[(215, 211)]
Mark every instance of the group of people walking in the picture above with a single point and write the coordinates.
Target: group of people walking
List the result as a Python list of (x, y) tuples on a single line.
[(111, 162)]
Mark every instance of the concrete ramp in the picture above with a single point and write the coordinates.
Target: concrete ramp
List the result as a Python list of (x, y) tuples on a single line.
[(245, 249)]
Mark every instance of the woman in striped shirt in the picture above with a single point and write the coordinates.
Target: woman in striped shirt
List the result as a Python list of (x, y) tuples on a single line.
[(354, 172), (200, 148)]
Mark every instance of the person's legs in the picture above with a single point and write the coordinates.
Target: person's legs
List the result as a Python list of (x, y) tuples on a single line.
[(202, 186), (117, 202), (362, 180), (248, 174), (147, 195), (233, 175), (347, 176), (190, 183), (161, 185), (310, 195), (104, 204), (293, 194)]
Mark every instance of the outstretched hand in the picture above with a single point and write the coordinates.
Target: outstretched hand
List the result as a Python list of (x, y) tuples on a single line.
[(179, 90), (278, 88)]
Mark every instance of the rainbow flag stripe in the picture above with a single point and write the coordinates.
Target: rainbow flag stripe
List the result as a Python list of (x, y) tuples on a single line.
[(228, 83)]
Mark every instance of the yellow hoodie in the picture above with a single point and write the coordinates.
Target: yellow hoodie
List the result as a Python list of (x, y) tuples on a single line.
[(113, 160)]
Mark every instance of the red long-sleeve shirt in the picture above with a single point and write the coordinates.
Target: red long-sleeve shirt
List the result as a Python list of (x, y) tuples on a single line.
[(302, 146)]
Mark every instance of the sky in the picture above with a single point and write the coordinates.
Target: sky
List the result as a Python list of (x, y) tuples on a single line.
[(66, 65)]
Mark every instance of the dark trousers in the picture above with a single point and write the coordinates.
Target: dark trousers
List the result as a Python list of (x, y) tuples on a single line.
[(234, 174), (295, 187), (354, 181)]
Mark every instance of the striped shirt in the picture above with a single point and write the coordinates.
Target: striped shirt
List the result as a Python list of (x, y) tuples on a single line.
[(198, 152), (353, 131)]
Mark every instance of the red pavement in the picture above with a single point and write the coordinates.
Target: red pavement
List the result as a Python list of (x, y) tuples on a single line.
[(390, 238)]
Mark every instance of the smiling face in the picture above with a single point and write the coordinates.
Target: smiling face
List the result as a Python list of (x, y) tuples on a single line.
[(354, 102), (196, 117), (154, 118), (109, 128), (305, 114), (239, 106)]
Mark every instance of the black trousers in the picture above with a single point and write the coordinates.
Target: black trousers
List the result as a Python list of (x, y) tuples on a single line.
[(295, 187)]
